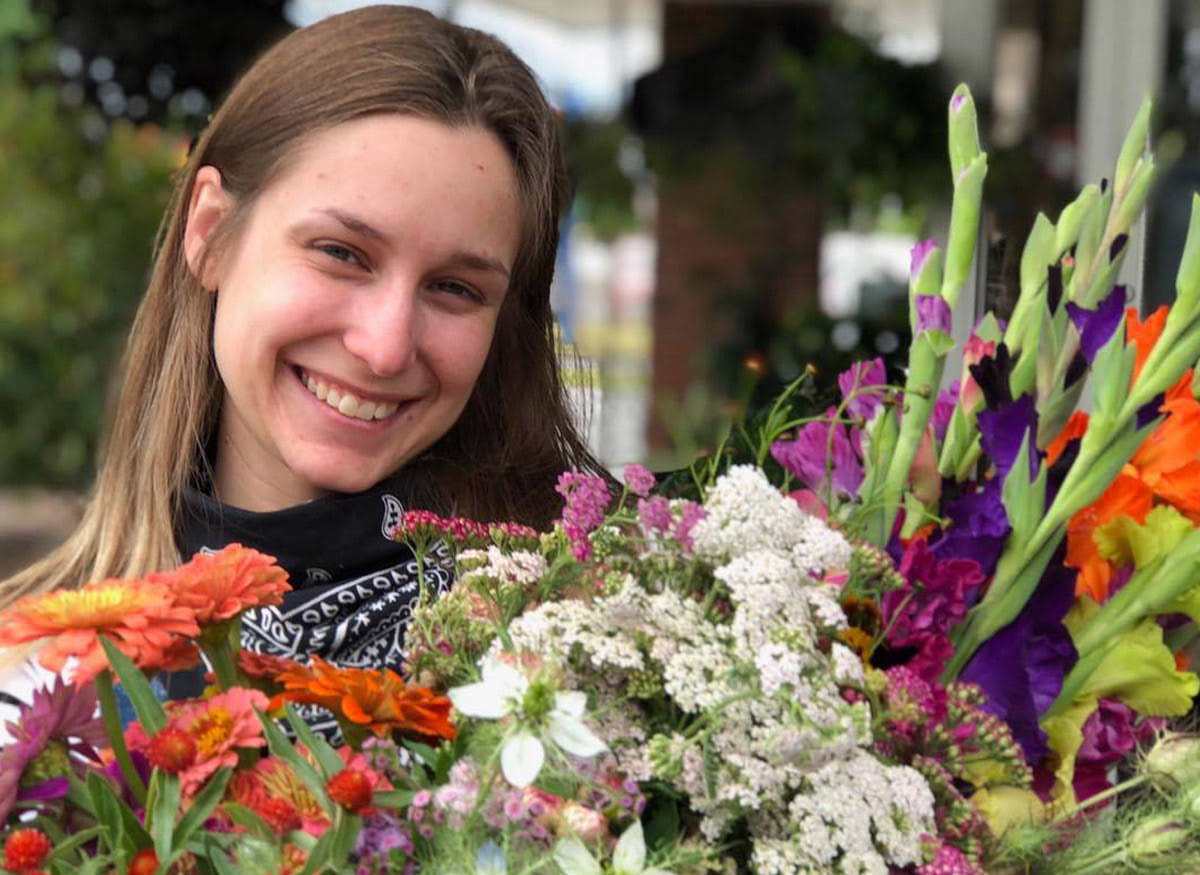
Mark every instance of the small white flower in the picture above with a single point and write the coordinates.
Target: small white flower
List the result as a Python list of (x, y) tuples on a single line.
[(504, 692), (629, 856)]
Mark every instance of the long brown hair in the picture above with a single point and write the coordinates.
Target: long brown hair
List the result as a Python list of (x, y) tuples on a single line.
[(501, 458)]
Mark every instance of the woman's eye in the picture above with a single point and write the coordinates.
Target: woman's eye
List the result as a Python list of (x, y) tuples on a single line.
[(341, 253), (458, 290)]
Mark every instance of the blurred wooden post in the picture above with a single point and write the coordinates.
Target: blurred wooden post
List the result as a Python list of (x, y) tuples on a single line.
[(1124, 55)]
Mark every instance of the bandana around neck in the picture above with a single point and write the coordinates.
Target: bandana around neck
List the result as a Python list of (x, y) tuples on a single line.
[(353, 587)]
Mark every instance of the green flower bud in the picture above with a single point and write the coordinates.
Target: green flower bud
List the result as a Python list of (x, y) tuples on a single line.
[(964, 226), (963, 130), (1187, 281), (1133, 147), (664, 757), (1161, 843), (1174, 761), (1070, 220), (1144, 176)]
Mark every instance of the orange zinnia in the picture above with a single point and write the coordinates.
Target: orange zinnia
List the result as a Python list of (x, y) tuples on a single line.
[(140, 617), (219, 586), (377, 700)]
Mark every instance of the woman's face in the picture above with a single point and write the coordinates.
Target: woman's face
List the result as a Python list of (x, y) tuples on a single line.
[(357, 306)]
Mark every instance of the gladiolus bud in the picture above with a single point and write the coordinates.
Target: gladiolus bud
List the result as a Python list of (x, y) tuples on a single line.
[(964, 225), (963, 130)]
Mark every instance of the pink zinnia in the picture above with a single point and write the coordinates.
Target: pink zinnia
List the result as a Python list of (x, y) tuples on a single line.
[(219, 586), (220, 726)]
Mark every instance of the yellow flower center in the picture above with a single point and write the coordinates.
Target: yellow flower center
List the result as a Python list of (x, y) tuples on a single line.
[(282, 783), (212, 731), (88, 608)]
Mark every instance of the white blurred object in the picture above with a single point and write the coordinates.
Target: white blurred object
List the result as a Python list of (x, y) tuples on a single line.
[(585, 52), (849, 259)]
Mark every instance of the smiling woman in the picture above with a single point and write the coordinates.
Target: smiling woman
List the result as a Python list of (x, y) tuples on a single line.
[(348, 315)]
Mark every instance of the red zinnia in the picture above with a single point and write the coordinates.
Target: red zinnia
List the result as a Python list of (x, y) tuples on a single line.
[(172, 750), (143, 863), (350, 789), (25, 850)]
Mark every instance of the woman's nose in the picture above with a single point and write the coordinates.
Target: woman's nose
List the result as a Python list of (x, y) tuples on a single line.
[(385, 330)]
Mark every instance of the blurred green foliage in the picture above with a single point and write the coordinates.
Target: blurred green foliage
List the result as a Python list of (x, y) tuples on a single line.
[(80, 202)]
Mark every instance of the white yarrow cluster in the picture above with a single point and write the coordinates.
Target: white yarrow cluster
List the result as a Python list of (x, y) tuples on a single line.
[(520, 567), (759, 678), (855, 816)]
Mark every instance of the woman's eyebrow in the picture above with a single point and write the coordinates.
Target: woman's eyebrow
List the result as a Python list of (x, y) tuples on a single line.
[(471, 260), (355, 224)]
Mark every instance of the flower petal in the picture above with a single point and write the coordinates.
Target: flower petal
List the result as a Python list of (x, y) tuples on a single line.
[(522, 758), (482, 699), (490, 860), (572, 736), (572, 703), (574, 859), (629, 856), (507, 679)]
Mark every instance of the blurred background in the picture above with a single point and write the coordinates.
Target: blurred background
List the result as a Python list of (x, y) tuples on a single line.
[(749, 179)]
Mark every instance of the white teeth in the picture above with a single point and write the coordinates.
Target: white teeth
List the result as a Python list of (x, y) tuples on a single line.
[(346, 403)]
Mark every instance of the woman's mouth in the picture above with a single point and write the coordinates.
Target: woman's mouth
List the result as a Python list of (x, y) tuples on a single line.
[(344, 401)]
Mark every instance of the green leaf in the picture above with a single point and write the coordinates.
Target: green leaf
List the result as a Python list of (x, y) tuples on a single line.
[(146, 706), (249, 820), (1024, 500), (327, 758), (65, 847), (219, 859), (122, 831), (1187, 280), (394, 798), (661, 821), (202, 806), (162, 803), (344, 835), (279, 745), (318, 857)]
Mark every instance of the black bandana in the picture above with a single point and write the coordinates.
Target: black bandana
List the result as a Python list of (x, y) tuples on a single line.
[(353, 587)]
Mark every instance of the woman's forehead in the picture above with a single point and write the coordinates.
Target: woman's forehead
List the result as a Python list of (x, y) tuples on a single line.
[(382, 175)]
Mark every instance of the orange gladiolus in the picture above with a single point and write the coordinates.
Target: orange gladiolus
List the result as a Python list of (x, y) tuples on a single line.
[(1166, 467), (377, 700)]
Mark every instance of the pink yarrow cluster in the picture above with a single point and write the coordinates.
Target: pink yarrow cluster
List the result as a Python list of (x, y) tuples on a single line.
[(587, 498), (423, 526), (660, 518)]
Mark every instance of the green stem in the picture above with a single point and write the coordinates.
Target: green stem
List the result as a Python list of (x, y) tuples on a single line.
[(1115, 790), (216, 642), (111, 717)]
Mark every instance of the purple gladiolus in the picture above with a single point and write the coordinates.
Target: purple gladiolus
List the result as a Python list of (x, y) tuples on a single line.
[(917, 256), (978, 527), (859, 380), (943, 410), (933, 313), (821, 449), (1096, 327), (1003, 430), (1021, 667)]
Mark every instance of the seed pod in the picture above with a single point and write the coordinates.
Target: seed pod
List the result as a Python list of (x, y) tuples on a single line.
[(1174, 761)]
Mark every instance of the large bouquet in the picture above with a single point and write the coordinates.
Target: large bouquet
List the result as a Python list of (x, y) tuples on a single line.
[(927, 630)]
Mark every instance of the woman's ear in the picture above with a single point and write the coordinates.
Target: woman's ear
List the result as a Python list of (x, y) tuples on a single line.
[(207, 208)]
